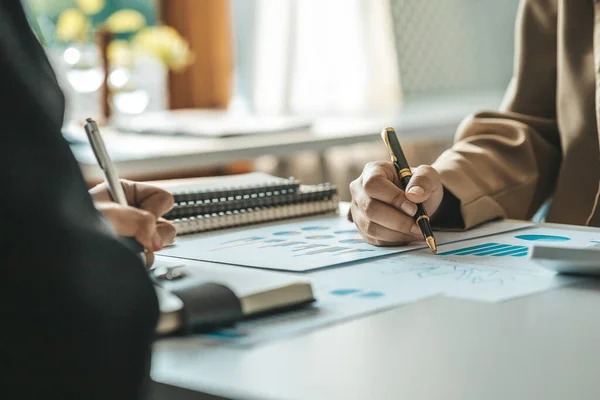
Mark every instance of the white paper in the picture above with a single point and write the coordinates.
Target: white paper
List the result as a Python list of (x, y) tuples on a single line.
[(305, 245), (336, 301), (329, 309), (375, 285), (494, 268)]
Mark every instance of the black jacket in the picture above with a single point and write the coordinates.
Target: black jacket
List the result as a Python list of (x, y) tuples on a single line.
[(77, 308)]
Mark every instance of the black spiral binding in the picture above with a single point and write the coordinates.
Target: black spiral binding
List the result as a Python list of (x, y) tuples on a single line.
[(188, 204), (240, 192), (220, 212)]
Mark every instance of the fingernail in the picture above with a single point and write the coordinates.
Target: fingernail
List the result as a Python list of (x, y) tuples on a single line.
[(157, 242), (409, 208), (415, 230), (417, 191)]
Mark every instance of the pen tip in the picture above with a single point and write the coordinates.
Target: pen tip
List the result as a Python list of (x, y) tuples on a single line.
[(431, 243), (89, 120)]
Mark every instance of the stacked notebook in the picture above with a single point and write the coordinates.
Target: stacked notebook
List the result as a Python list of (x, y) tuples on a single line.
[(203, 204)]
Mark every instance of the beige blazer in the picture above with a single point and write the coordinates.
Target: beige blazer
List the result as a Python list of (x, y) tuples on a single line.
[(543, 143)]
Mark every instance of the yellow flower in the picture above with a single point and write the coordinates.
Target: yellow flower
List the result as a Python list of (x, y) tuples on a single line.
[(72, 25), (91, 7), (166, 44), (120, 54), (125, 21)]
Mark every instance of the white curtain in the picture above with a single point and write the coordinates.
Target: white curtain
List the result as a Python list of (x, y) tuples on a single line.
[(323, 58)]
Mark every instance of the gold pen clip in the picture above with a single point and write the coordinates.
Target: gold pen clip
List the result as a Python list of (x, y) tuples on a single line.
[(384, 135), (391, 142)]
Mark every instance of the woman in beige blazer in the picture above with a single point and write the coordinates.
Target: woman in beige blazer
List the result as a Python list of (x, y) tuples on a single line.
[(542, 144)]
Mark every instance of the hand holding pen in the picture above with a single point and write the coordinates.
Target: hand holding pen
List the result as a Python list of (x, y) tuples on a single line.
[(141, 220), (133, 209), (384, 212)]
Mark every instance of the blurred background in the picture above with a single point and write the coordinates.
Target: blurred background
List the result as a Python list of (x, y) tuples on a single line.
[(259, 70)]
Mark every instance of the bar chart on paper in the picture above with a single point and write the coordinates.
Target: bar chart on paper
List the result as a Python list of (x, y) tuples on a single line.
[(489, 249), (516, 245), (296, 246), (507, 250), (301, 245), (488, 269)]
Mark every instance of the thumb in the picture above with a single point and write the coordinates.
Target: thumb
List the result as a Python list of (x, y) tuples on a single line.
[(424, 182)]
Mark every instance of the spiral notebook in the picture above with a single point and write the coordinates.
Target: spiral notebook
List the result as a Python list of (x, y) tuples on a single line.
[(203, 204)]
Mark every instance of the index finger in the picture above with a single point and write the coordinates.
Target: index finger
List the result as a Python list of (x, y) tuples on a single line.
[(377, 183), (148, 197)]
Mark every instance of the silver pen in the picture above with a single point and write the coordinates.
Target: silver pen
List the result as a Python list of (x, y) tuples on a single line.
[(110, 173)]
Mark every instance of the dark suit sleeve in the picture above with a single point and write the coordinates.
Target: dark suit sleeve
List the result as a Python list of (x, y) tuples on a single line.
[(78, 310)]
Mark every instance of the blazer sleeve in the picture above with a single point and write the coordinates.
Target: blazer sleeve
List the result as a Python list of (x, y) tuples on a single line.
[(504, 164)]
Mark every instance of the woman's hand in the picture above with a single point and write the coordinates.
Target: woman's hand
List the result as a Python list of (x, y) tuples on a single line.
[(142, 218), (383, 212)]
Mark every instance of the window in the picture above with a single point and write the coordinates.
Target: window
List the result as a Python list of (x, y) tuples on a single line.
[(348, 56), (453, 47), (337, 57)]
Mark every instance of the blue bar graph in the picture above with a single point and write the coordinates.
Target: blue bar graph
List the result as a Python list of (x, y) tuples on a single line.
[(514, 251), (315, 228), (354, 251), (468, 250), (520, 254), (246, 239), (489, 249), (333, 249), (309, 246), (284, 244)]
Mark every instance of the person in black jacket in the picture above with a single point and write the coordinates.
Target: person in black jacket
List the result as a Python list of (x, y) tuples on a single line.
[(78, 310)]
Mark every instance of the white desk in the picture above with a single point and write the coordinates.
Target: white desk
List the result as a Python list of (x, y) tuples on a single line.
[(144, 154), (543, 346)]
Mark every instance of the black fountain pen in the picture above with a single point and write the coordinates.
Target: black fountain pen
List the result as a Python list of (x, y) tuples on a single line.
[(404, 174)]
